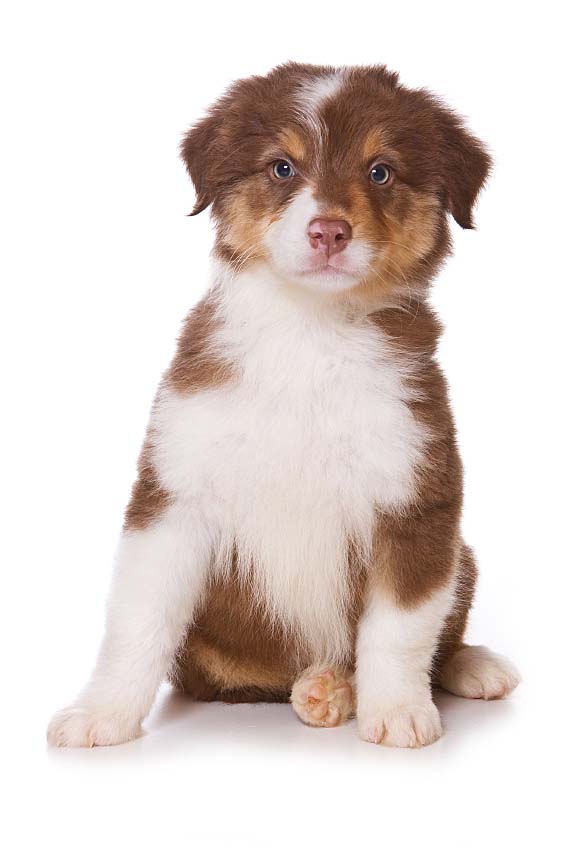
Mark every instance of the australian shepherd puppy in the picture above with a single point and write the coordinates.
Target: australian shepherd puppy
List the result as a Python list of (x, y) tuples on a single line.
[(294, 531)]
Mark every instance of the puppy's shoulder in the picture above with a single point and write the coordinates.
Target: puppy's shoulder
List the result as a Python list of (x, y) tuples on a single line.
[(411, 328), (199, 362)]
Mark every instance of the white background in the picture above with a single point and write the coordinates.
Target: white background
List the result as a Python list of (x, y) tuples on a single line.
[(99, 265)]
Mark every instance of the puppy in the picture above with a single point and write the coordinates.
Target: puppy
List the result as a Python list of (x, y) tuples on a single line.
[(294, 530)]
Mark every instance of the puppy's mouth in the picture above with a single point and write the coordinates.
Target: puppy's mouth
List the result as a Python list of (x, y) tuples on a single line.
[(327, 269)]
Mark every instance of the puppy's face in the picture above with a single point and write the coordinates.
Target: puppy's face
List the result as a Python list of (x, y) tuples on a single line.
[(339, 179)]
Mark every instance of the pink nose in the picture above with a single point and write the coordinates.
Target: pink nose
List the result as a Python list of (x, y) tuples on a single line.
[(329, 236)]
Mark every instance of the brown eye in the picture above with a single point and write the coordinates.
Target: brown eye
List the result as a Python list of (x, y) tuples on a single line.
[(380, 174), (283, 170)]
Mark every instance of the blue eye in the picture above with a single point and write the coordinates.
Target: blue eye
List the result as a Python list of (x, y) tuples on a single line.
[(380, 174), (283, 170)]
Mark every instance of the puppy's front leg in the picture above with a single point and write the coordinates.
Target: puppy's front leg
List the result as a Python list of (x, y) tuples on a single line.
[(410, 594), (157, 582)]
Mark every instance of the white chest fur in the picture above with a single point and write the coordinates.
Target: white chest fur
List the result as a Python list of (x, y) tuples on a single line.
[(290, 461)]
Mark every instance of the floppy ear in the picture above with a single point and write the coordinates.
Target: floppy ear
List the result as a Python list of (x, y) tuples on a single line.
[(466, 167), (198, 151)]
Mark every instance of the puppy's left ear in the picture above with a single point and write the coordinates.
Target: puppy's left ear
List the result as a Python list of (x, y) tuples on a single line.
[(198, 151), (466, 166)]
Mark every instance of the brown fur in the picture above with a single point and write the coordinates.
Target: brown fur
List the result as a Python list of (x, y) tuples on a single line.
[(148, 499), (197, 365), (452, 636), (417, 551), (233, 652)]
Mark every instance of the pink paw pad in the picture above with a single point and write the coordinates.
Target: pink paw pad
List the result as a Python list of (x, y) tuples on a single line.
[(323, 699)]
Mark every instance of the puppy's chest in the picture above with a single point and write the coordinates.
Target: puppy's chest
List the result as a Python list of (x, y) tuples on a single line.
[(316, 423)]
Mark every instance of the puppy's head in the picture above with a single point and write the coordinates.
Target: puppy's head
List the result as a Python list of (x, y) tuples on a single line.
[(338, 179)]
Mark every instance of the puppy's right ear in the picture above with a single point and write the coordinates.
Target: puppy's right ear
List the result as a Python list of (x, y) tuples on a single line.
[(198, 151)]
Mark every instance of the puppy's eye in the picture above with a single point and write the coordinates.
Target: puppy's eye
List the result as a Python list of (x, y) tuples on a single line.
[(283, 170), (380, 174)]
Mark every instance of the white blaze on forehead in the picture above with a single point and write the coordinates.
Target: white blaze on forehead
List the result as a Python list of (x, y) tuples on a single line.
[(313, 94)]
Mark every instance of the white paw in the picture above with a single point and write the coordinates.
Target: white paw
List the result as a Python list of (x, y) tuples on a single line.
[(404, 726), (476, 672), (323, 698), (85, 727)]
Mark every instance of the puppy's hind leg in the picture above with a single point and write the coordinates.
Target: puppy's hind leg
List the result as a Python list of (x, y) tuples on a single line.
[(476, 672), (323, 697), (466, 670), (158, 578)]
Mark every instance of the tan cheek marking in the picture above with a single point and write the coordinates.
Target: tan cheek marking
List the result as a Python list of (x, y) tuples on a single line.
[(399, 244), (244, 230), (413, 238), (362, 215), (291, 141)]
